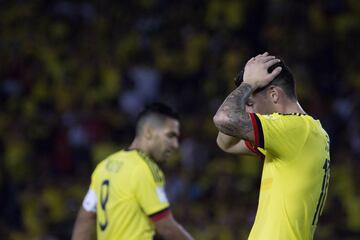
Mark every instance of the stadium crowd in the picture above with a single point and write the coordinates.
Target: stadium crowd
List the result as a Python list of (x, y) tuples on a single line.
[(75, 74)]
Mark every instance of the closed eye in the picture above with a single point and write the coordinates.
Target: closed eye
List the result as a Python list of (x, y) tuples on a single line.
[(249, 104)]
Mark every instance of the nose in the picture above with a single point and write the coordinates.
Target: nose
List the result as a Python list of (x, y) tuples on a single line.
[(175, 143)]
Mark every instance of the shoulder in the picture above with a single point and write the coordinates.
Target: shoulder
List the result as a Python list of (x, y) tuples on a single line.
[(295, 118), (279, 127), (151, 169), (115, 161)]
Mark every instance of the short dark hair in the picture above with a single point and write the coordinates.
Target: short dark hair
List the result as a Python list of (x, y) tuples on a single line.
[(157, 110), (285, 80)]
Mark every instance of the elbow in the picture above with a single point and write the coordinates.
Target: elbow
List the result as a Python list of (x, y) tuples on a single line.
[(220, 120)]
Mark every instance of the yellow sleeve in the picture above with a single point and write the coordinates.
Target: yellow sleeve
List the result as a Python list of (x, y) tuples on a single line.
[(93, 181), (149, 193), (95, 176), (91, 199), (278, 135)]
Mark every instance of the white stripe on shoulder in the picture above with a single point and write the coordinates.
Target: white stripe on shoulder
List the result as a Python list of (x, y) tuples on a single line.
[(90, 201)]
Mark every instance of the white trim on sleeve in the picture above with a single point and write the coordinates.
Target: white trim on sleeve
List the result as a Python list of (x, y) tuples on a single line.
[(161, 195), (90, 201)]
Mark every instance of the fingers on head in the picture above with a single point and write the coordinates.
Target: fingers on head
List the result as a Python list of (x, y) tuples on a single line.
[(250, 60), (271, 62), (264, 57), (268, 58), (275, 72)]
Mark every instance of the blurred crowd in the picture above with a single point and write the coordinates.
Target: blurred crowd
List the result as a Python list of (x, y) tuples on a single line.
[(73, 76)]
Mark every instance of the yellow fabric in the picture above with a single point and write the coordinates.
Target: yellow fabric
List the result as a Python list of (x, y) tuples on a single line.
[(126, 186), (295, 176)]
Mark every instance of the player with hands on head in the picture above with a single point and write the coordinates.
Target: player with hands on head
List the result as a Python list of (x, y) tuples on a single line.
[(263, 117)]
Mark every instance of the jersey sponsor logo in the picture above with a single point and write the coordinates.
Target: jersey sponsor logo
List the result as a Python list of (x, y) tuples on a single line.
[(113, 165)]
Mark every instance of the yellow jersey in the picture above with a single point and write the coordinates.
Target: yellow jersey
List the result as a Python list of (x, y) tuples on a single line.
[(295, 176), (129, 190)]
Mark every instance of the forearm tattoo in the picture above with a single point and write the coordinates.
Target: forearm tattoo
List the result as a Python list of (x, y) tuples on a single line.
[(238, 122)]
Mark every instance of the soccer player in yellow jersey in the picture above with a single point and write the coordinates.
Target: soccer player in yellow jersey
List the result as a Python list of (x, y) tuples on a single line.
[(262, 116), (126, 199)]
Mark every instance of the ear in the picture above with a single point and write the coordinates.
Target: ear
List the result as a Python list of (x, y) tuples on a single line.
[(274, 93), (148, 132)]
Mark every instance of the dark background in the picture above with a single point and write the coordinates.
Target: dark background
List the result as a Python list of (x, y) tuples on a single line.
[(74, 74)]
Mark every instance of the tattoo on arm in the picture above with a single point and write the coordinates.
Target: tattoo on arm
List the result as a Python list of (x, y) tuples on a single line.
[(238, 123)]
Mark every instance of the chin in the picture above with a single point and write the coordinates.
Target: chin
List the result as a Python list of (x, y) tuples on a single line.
[(165, 157), (160, 160)]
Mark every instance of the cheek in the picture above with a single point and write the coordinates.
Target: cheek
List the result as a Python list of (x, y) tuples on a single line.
[(157, 142), (261, 105), (160, 142), (259, 108)]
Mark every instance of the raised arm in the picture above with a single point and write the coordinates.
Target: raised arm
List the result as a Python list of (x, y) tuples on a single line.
[(232, 118)]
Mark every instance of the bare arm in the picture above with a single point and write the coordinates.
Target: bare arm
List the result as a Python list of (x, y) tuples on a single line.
[(232, 118), (169, 229), (85, 225), (232, 145)]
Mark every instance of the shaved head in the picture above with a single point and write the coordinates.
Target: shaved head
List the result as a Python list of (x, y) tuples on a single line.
[(154, 116), (152, 120), (157, 132)]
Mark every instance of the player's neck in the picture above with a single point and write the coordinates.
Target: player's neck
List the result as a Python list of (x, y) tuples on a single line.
[(292, 107), (138, 144)]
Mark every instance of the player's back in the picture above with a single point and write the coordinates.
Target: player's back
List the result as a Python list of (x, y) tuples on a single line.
[(295, 178), (117, 182)]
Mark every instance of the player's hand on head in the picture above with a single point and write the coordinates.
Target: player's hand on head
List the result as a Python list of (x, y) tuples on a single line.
[(256, 70)]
